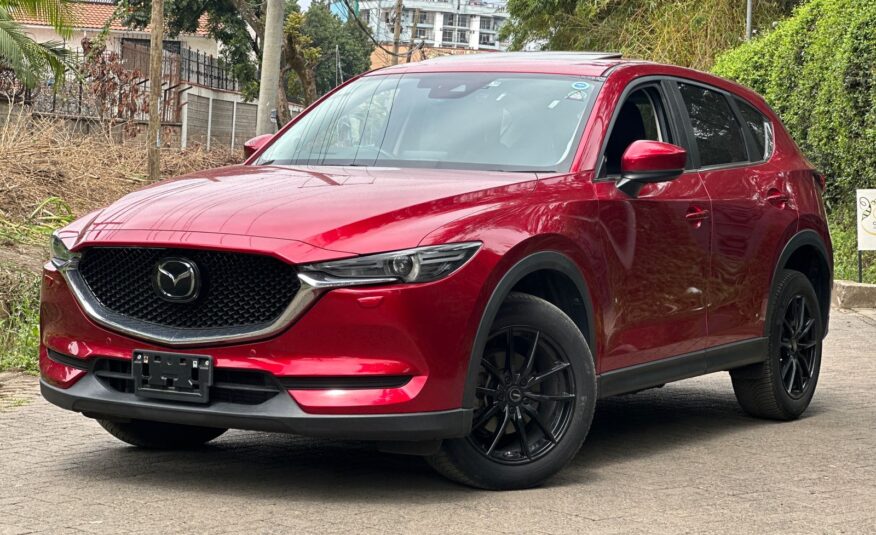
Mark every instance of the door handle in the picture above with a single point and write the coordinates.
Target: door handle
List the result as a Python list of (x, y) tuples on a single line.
[(696, 214), (777, 198)]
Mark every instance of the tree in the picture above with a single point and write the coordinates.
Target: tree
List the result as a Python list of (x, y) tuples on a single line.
[(336, 40), (300, 55), (239, 26), (28, 59), (156, 55), (685, 32)]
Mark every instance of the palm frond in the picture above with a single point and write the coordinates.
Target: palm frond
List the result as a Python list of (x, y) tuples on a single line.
[(56, 12), (28, 59)]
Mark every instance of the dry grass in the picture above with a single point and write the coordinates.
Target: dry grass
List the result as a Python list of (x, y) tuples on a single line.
[(46, 159)]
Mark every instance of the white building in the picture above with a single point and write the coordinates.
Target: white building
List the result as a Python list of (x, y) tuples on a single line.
[(465, 24)]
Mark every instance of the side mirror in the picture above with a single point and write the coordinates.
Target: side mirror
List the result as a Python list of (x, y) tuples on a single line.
[(253, 145), (647, 162)]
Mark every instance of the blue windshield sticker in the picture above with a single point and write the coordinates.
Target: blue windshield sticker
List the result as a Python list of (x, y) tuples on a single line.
[(580, 86)]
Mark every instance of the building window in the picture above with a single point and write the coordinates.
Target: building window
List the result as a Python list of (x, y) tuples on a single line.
[(462, 36), (486, 23), (462, 21), (447, 36), (424, 18), (487, 39), (449, 19), (422, 33), (364, 15)]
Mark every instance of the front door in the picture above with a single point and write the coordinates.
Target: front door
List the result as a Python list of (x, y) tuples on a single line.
[(656, 246)]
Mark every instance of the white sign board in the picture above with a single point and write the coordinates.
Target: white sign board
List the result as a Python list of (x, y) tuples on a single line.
[(866, 219)]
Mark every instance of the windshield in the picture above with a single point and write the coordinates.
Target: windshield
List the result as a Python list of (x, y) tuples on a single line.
[(487, 121)]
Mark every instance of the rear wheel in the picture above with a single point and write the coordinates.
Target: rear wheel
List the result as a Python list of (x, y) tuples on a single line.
[(782, 387), (534, 400), (159, 435)]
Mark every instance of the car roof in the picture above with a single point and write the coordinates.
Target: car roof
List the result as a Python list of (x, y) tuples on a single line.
[(576, 63)]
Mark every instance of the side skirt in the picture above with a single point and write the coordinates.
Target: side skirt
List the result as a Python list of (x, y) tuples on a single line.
[(651, 374)]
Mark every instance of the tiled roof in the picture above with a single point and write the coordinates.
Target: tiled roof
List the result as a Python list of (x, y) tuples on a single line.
[(91, 15)]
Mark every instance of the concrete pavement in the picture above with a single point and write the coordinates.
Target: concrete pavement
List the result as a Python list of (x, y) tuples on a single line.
[(681, 459)]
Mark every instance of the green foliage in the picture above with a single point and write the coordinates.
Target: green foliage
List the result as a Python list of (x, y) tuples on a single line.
[(28, 59), (19, 319), (817, 69), (684, 32), (326, 32)]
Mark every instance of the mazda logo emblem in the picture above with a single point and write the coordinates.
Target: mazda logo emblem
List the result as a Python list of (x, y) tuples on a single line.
[(177, 280)]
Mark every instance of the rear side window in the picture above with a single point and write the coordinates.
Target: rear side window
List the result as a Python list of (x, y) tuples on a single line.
[(717, 132), (760, 127)]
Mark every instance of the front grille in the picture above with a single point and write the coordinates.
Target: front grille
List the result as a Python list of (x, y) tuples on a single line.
[(245, 387), (237, 289)]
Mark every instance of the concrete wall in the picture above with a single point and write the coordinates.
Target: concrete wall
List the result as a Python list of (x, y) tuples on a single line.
[(229, 121)]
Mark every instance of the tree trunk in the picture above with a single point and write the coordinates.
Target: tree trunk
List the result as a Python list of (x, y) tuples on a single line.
[(283, 115), (156, 53), (271, 64)]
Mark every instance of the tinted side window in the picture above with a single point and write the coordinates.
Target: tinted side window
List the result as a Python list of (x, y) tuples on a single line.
[(760, 127), (719, 137)]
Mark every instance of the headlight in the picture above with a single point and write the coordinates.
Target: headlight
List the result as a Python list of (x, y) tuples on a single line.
[(61, 256), (423, 264)]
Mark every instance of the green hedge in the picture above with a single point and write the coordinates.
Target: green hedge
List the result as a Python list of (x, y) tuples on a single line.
[(817, 69)]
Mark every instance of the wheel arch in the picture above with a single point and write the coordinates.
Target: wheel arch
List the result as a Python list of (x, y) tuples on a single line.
[(807, 253), (551, 275)]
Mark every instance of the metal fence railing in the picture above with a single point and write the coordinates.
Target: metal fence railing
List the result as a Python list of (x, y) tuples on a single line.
[(115, 85)]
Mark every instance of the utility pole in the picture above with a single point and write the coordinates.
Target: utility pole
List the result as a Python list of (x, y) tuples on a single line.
[(156, 53), (272, 46), (396, 32), (748, 17)]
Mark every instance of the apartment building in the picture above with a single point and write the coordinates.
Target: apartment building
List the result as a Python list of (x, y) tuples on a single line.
[(444, 24)]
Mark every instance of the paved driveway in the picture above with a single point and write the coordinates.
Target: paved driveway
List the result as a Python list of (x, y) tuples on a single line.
[(678, 459)]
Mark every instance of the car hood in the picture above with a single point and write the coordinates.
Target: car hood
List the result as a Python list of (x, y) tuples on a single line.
[(341, 209)]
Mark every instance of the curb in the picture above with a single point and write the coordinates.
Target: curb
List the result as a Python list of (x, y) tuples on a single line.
[(848, 294)]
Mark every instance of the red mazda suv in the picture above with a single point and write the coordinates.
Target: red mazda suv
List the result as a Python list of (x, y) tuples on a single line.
[(454, 258)]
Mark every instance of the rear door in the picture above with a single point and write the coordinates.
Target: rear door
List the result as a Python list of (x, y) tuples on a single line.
[(751, 206), (656, 245)]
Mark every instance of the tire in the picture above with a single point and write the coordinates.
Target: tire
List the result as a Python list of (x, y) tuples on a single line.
[(793, 358), (159, 435), (545, 401)]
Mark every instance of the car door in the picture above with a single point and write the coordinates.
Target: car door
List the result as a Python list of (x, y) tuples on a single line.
[(751, 207), (656, 245)]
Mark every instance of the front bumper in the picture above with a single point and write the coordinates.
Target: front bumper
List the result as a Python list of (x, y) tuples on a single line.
[(279, 414)]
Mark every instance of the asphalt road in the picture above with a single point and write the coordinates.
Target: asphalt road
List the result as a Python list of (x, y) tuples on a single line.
[(680, 459)]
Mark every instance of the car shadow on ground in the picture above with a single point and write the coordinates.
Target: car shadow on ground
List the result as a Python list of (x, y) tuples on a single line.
[(280, 466)]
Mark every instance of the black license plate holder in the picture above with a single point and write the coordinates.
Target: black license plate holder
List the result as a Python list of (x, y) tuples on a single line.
[(172, 376)]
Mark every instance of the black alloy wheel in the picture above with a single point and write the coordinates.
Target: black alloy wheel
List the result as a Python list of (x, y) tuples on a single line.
[(799, 347), (525, 396), (533, 392)]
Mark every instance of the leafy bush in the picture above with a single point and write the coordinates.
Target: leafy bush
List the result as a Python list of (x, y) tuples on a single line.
[(19, 319), (817, 69)]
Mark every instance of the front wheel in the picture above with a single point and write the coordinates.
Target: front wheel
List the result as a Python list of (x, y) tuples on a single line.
[(534, 400)]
